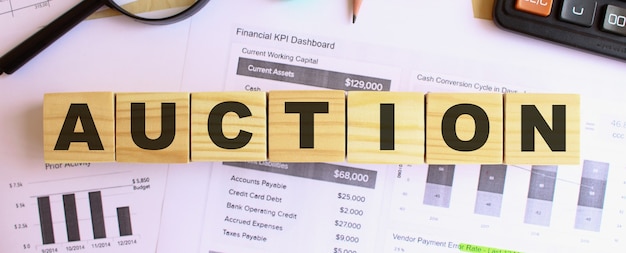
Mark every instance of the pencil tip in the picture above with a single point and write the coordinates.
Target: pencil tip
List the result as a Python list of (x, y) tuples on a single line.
[(353, 19)]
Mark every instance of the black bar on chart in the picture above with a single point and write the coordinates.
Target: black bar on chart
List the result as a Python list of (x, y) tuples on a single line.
[(123, 221), (591, 195), (97, 215), (439, 185), (490, 190), (71, 217), (540, 195), (45, 220)]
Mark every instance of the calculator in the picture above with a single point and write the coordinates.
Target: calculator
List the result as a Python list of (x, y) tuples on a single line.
[(596, 26)]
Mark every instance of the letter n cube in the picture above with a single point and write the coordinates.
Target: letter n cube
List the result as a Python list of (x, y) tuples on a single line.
[(542, 129)]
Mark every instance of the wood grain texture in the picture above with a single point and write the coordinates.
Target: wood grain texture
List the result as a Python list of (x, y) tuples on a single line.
[(438, 152), (143, 6), (55, 110), (364, 123), (204, 149), (483, 9), (128, 151), (542, 155), (329, 128)]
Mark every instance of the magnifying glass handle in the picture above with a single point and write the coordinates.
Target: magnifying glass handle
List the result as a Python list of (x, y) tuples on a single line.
[(39, 41)]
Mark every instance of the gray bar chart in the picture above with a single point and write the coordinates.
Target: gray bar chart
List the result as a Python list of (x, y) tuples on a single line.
[(45, 220), (439, 185), (591, 196), (76, 213), (540, 195), (123, 221), (490, 190), (71, 217), (97, 215)]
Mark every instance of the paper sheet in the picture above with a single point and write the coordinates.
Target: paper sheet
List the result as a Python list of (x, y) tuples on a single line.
[(428, 51), (404, 46)]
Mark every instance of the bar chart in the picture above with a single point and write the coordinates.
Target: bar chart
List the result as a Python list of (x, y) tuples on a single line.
[(439, 185), (490, 190), (72, 221), (540, 195), (591, 196), (113, 210), (514, 203)]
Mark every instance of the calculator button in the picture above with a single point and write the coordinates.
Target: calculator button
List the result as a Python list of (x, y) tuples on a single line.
[(537, 7), (580, 12), (615, 20)]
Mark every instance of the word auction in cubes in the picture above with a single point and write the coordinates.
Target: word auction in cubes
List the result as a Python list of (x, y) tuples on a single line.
[(312, 126)]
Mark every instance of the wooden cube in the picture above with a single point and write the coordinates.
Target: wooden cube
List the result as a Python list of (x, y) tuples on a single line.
[(79, 127), (483, 8), (228, 126), (385, 127), (464, 128), (152, 127), (542, 129), (306, 126)]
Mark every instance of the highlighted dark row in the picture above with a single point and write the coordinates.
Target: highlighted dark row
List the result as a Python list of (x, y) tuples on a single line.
[(312, 126)]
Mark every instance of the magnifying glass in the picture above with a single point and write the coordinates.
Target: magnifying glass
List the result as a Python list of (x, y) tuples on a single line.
[(154, 12)]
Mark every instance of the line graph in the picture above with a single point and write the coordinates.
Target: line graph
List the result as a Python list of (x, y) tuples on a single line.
[(11, 8)]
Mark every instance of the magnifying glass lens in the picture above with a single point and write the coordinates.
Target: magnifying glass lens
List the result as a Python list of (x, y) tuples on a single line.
[(157, 11)]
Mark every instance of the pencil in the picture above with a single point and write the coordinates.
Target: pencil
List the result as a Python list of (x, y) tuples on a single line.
[(356, 5)]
